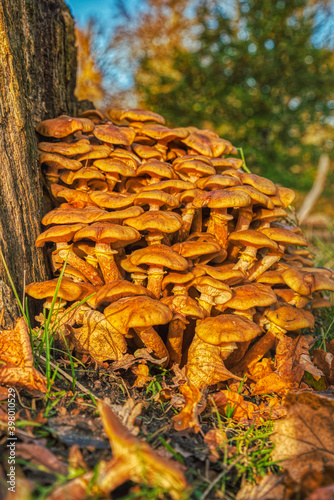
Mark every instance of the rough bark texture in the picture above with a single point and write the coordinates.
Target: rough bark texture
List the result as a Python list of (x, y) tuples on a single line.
[(37, 81)]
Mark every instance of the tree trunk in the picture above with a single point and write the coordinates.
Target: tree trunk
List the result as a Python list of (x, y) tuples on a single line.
[(37, 81)]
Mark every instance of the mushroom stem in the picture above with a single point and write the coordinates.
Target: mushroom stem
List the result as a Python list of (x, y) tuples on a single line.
[(155, 276), (262, 266), (197, 221), (105, 257), (153, 341), (220, 220), (244, 219), (256, 353), (86, 269), (246, 259), (187, 220), (175, 340), (207, 302)]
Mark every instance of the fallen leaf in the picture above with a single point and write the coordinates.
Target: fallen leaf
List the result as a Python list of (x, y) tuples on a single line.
[(128, 360), (215, 438), (306, 363), (39, 455), (261, 369), (325, 493), (188, 417), (325, 362), (272, 383), (16, 354), (142, 371), (304, 440), (128, 414), (242, 410), (287, 358), (270, 487)]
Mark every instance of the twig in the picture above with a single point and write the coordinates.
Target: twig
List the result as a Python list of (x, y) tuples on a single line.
[(68, 377), (218, 478), (318, 186)]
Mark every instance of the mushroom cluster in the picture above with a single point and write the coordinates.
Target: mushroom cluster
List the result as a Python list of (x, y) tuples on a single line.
[(175, 247)]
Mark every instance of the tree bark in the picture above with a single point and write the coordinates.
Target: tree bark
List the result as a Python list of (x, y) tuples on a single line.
[(37, 81)]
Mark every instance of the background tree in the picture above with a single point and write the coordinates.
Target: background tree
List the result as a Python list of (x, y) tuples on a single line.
[(255, 74), (37, 81)]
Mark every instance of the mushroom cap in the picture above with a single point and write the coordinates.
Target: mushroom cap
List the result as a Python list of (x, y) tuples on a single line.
[(74, 215), (111, 199), (289, 318), (298, 281), (61, 161), (94, 115), (217, 182), (194, 249), (115, 135), (111, 292), (137, 312), (177, 278), (161, 133), (272, 277), (156, 197), (57, 234), (87, 173), (73, 196), (226, 328), (252, 295), (264, 214), (113, 165), (183, 304), (146, 151), (198, 157), (224, 273), (193, 167), (68, 290), (250, 237), (257, 197), (59, 127), (227, 163), (159, 255), (264, 185), (286, 195), (156, 168), (322, 282), (214, 288), (96, 151), (105, 232), (65, 148), (128, 157), (222, 199), (173, 186), (284, 236), (155, 220), (139, 115), (189, 195)]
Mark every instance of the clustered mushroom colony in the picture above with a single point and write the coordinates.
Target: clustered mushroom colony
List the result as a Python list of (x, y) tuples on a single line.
[(176, 247)]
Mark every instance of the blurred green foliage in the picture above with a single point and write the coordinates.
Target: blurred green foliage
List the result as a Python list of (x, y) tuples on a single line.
[(255, 75)]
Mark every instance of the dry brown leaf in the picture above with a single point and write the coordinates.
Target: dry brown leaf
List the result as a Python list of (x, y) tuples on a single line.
[(287, 359), (304, 440), (325, 493), (16, 354), (41, 456), (243, 410), (306, 363), (128, 414), (271, 487), (272, 383), (128, 360), (261, 369), (272, 409), (142, 371), (215, 438), (188, 417), (325, 362), (98, 338)]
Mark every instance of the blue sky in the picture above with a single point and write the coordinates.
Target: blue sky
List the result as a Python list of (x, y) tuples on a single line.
[(102, 10)]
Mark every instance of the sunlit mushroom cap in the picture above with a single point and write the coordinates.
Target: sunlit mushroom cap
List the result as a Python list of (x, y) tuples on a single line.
[(56, 234), (217, 182), (77, 198), (189, 195), (298, 281), (264, 185), (96, 151), (75, 215), (185, 305), (137, 115), (146, 152), (109, 133), (219, 163), (161, 133), (65, 148), (86, 173), (263, 214), (177, 278), (59, 127), (226, 328), (286, 195), (94, 115), (111, 292), (159, 255), (210, 286), (105, 232), (289, 318), (137, 312), (128, 157), (155, 220), (250, 237), (59, 160), (272, 277), (113, 165), (257, 197), (68, 290), (224, 273), (156, 168), (157, 198), (173, 186), (252, 295), (195, 249), (222, 199), (187, 158), (111, 199), (284, 236), (193, 167)]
